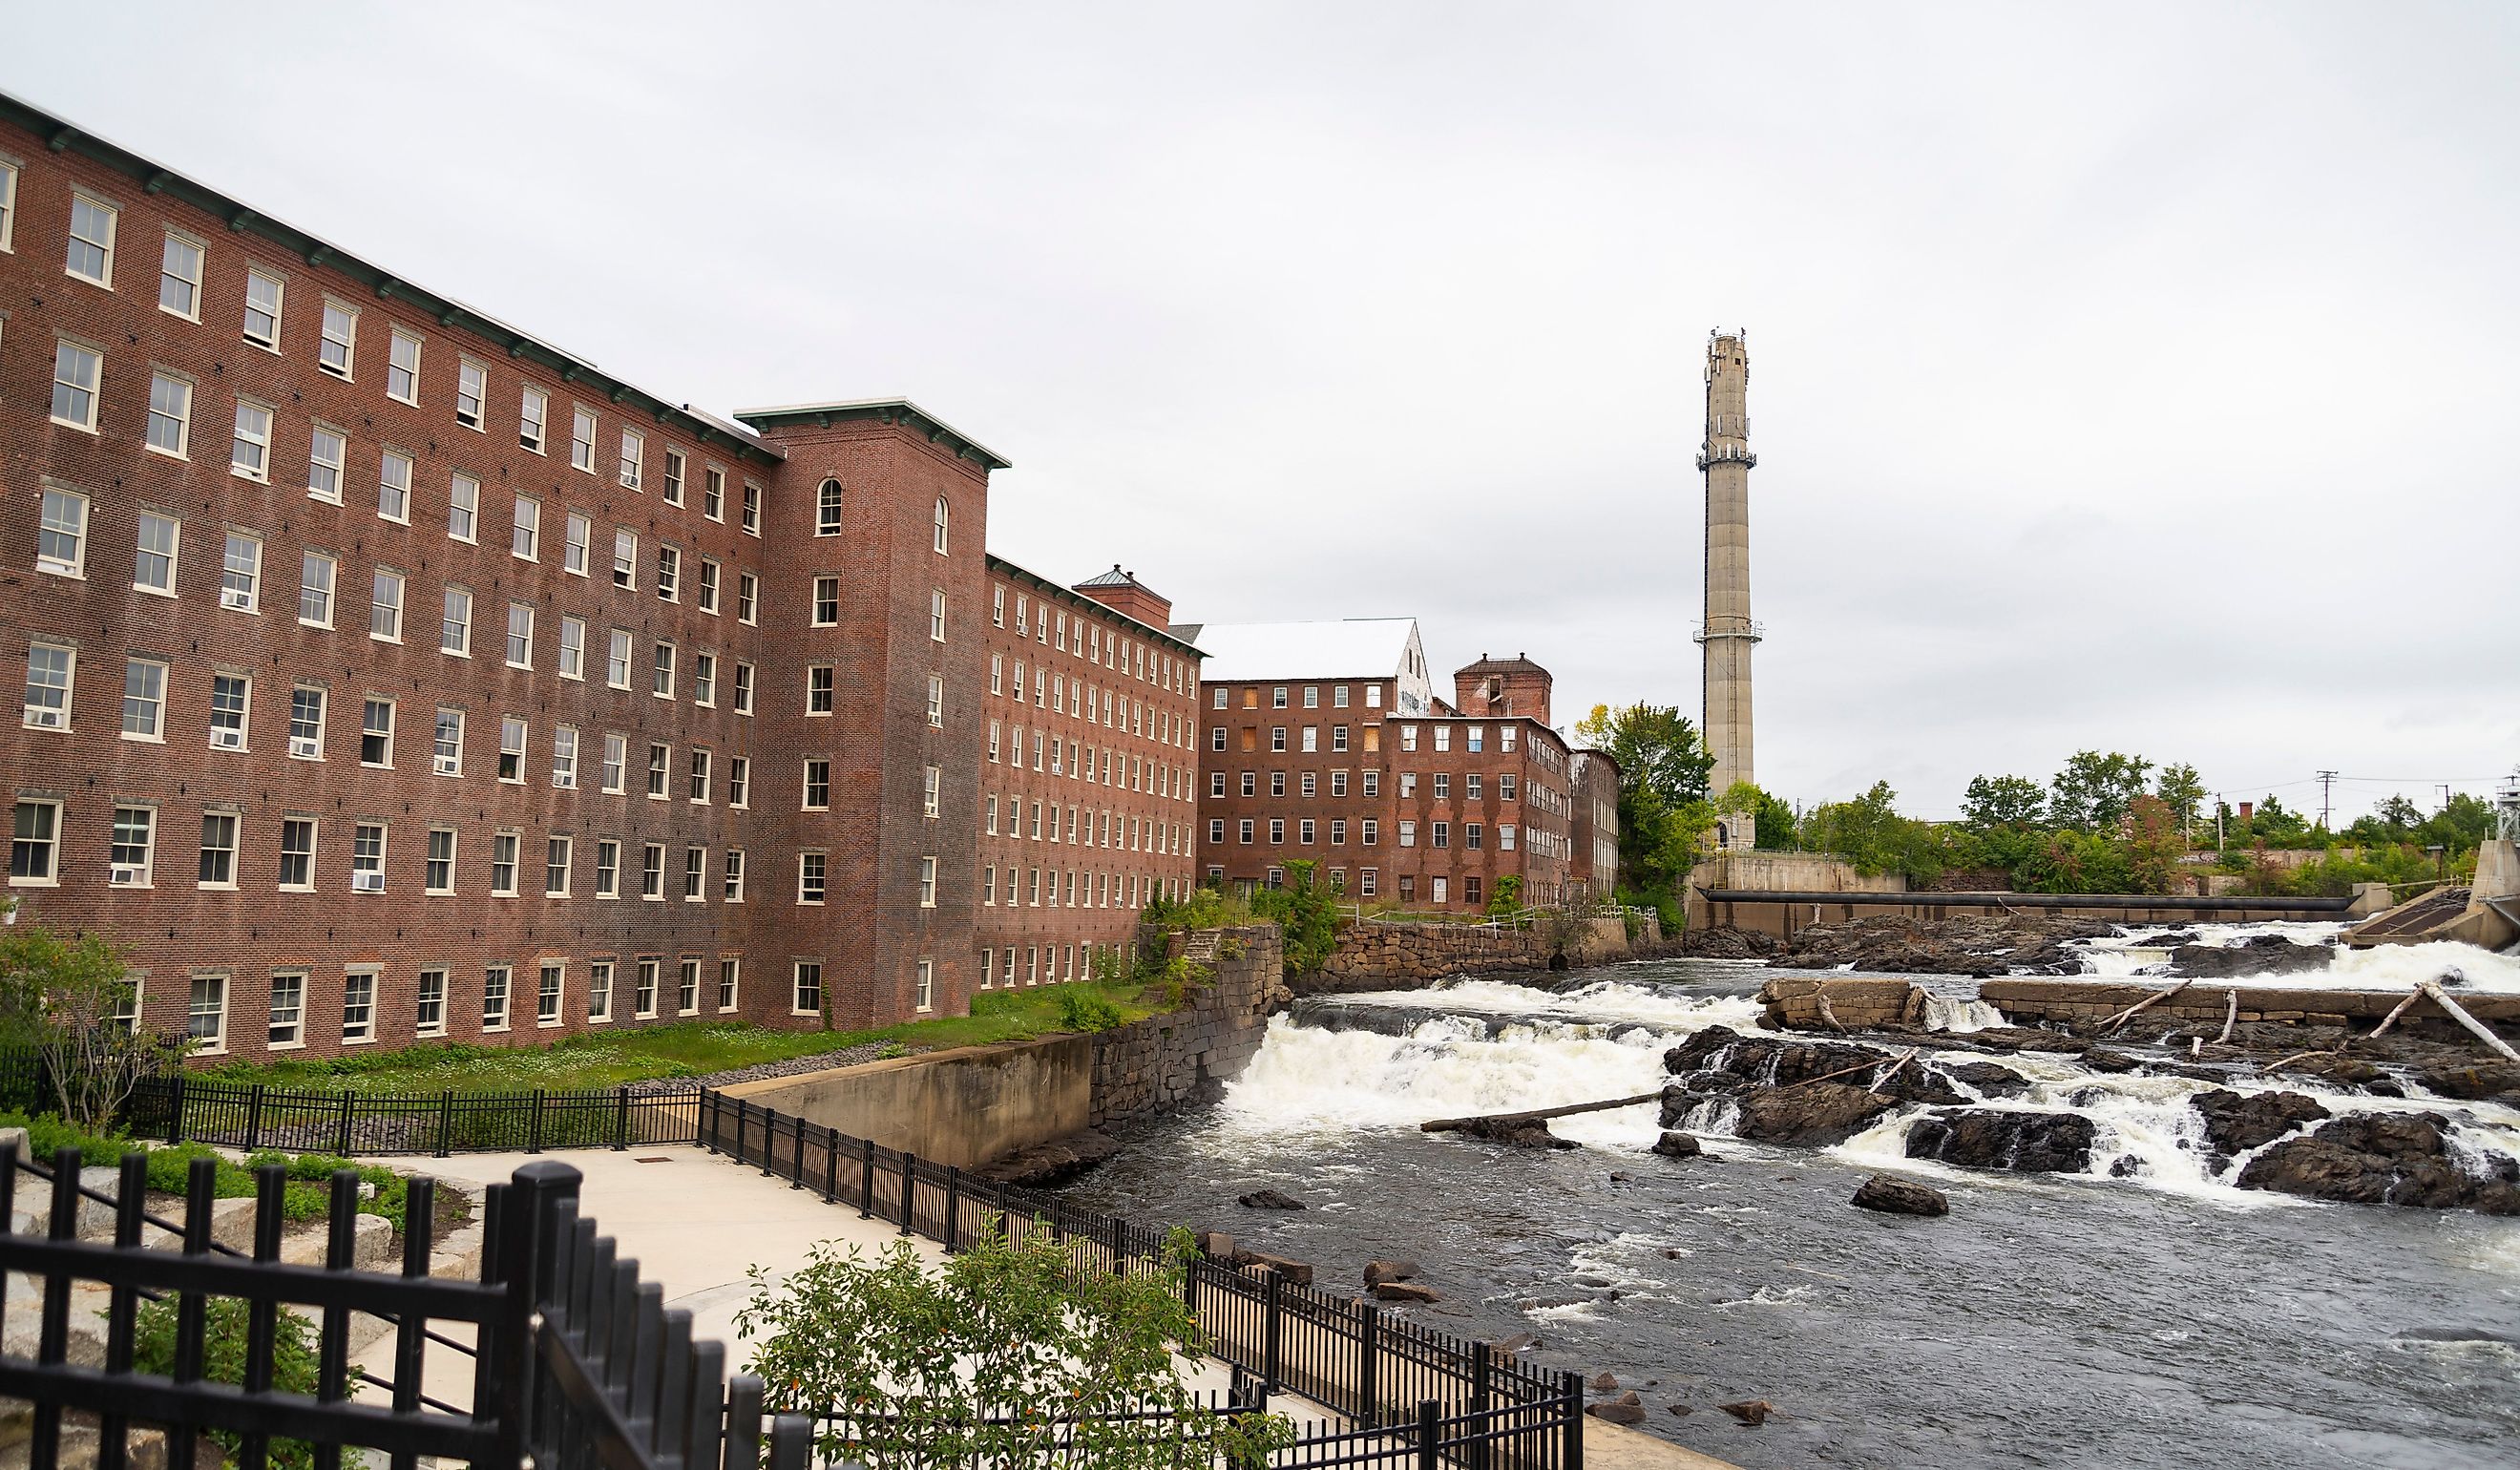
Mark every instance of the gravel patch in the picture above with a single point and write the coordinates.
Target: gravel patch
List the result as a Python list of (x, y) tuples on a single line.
[(820, 1062)]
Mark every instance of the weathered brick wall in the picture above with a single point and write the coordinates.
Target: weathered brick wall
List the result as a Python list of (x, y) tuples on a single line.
[(1164, 1062)]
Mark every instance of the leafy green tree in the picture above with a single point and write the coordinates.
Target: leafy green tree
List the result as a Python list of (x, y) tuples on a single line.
[(1774, 819), (998, 1354), (224, 1338), (2461, 826), (1663, 809), (72, 1003), (2276, 825), (1869, 834), (2181, 790), (2094, 791), (1306, 912), (1994, 801), (1506, 900)]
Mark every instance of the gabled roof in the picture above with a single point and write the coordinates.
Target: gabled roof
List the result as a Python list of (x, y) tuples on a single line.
[(1520, 664), (1361, 647), (1113, 578)]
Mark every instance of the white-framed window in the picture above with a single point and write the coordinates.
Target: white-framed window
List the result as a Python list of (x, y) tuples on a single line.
[(738, 781), (550, 986), (463, 508), (241, 573), (368, 858), (306, 723), (826, 508), (934, 777), (805, 996), (651, 875), (287, 1009), (704, 680), (662, 686), (936, 615), (729, 976), (733, 890), (579, 535), (8, 204), (661, 761), (827, 602), (495, 981), (607, 868), (581, 440), (503, 864), (338, 352), (625, 557), (634, 450), (812, 868), (393, 486), (818, 784), (34, 843), (179, 274), (429, 1001), (316, 573), (511, 748), (669, 574), (533, 419), (743, 689), (923, 987), (572, 648), (170, 415), (218, 850), (60, 538), (751, 516), (559, 860), (78, 374), (673, 488), (944, 519), (439, 877), (249, 447), (616, 660), (384, 607), (455, 623), (231, 707), (617, 761), (328, 451), (822, 689), (152, 566), (471, 394), (927, 883), (402, 368), (936, 704), (446, 744), (358, 1005), (694, 874), (599, 992), (132, 856), (706, 596), (564, 757), (297, 836), (713, 493), (701, 776), (206, 1019), (526, 537), (262, 299), (376, 732), (90, 252), (748, 598), (520, 636)]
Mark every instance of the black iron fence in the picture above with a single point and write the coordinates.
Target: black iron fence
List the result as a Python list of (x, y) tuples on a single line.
[(573, 1361), (1413, 1395)]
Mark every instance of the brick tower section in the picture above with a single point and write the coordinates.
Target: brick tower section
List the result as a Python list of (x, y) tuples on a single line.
[(1728, 635)]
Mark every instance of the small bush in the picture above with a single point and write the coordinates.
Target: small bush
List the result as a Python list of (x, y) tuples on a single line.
[(225, 1325), (1085, 1007)]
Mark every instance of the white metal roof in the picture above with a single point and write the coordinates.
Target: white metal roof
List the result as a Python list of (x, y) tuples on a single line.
[(1363, 647)]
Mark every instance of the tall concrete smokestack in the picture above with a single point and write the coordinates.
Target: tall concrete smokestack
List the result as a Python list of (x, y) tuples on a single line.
[(1727, 634)]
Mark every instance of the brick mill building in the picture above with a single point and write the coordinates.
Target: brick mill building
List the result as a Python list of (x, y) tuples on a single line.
[(1325, 743), (392, 674)]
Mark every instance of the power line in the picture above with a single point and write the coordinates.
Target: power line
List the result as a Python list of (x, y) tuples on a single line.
[(2326, 793)]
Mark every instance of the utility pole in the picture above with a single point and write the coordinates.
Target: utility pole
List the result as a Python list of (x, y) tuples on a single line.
[(2326, 785), (2221, 809)]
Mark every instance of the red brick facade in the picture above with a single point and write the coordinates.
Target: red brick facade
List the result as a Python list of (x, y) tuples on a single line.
[(624, 803)]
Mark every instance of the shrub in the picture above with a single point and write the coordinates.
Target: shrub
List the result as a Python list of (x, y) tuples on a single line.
[(1086, 1008), (224, 1335)]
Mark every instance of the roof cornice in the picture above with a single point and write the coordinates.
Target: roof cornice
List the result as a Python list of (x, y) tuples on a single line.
[(1001, 565), (899, 412)]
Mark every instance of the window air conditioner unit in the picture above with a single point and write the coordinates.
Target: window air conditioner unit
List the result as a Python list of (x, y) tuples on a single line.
[(366, 882), (44, 719), (227, 739), (448, 765), (128, 877), (303, 747), (236, 597)]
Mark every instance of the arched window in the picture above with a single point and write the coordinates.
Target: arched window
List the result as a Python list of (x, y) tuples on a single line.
[(827, 509), (944, 516)]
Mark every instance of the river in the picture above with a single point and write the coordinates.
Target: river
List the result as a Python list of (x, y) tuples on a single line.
[(2156, 1320)]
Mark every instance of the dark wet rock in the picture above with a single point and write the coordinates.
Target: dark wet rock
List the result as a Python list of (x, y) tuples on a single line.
[(1679, 1145), (2264, 955), (1297, 1273), (1616, 1177), (2125, 1166), (2342, 1071), (1782, 1061), (1604, 1382), (2486, 1082), (1958, 945), (1682, 1410), (2235, 1123), (1048, 1164), (1627, 1408), (2454, 1335), (1520, 1342), (1751, 1411), (2190, 1071), (1517, 1132), (2167, 938), (1994, 1079), (1815, 1115), (2378, 1158), (1405, 1291), (2027, 1039), (1892, 1195), (1269, 1199), (1724, 942), (1378, 1271), (1991, 1138), (2109, 1059)]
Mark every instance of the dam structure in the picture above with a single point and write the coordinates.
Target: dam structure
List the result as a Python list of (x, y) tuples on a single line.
[(1727, 634)]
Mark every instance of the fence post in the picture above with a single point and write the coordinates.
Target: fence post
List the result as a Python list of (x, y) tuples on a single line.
[(708, 1115), (253, 1120), (341, 1141), (831, 1164), (446, 1122), (866, 1179), (909, 1187), (1430, 1434), (796, 1181), (621, 1117), (1271, 1339), (534, 1127), (952, 1202), (1369, 1346), (736, 1153), (175, 1112), (1570, 1420), (527, 1247), (1482, 1389)]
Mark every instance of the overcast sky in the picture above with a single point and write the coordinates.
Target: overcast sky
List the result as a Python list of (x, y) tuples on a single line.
[(2136, 377)]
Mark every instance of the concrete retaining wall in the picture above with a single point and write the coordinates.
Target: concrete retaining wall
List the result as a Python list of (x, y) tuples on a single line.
[(974, 1104)]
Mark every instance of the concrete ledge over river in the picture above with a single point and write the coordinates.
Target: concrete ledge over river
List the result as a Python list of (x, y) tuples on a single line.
[(1783, 914), (1871, 1003)]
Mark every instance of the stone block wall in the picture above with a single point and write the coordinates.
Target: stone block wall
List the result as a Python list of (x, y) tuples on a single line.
[(1412, 957), (1180, 1057), (1858, 1005)]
